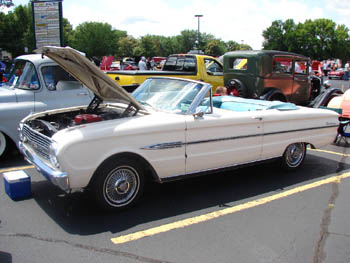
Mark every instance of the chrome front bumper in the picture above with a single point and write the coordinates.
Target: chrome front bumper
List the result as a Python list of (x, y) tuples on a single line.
[(58, 178)]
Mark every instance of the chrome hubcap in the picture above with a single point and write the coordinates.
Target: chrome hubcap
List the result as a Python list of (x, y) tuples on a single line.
[(121, 186), (295, 154)]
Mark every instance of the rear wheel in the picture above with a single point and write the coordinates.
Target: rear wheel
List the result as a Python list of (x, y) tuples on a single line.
[(293, 156), (278, 97), (237, 88), (119, 184)]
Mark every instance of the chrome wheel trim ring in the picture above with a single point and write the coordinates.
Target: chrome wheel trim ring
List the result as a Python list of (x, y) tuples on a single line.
[(121, 186), (295, 154)]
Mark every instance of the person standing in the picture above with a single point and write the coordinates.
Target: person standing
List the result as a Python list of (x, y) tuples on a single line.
[(347, 71), (142, 64), (325, 68)]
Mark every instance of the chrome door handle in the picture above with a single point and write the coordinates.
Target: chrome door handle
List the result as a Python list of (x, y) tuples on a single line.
[(82, 94), (257, 118)]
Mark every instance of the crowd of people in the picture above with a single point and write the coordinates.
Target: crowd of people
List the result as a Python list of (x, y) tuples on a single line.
[(326, 66), (3, 69), (149, 64)]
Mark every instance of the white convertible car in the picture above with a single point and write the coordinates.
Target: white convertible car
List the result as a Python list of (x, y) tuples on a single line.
[(166, 130)]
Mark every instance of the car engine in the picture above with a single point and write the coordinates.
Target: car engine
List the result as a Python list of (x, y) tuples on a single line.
[(52, 123)]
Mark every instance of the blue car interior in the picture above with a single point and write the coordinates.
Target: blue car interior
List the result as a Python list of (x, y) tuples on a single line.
[(240, 104)]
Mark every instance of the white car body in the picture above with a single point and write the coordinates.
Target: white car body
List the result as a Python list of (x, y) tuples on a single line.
[(169, 145)]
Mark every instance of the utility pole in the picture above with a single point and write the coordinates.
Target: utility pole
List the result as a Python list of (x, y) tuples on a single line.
[(198, 37)]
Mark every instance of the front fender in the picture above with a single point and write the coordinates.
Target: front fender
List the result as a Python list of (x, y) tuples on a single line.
[(325, 96)]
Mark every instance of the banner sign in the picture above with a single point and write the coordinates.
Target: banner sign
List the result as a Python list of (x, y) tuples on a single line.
[(47, 16)]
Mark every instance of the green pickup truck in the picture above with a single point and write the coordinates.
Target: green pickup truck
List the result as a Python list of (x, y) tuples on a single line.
[(187, 66)]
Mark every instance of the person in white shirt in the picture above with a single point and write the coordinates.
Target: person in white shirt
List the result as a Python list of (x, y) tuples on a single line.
[(347, 71), (142, 64)]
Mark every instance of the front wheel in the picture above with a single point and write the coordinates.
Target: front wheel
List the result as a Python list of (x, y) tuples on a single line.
[(119, 184), (4, 145), (293, 156)]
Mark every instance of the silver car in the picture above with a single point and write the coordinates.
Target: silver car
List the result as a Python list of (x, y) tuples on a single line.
[(36, 83)]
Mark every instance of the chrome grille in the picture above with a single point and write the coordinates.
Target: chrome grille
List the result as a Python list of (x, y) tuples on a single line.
[(39, 142)]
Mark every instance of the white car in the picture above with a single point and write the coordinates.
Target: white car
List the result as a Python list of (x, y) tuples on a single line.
[(166, 130)]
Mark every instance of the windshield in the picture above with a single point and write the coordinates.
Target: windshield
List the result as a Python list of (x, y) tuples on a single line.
[(23, 76), (167, 95)]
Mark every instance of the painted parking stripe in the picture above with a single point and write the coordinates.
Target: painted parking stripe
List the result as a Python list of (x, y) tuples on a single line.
[(331, 152), (226, 211), (16, 168)]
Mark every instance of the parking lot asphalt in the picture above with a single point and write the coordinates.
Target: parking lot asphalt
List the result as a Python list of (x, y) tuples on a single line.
[(256, 214)]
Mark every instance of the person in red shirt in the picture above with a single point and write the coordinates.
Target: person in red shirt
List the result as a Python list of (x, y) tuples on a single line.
[(2, 78)]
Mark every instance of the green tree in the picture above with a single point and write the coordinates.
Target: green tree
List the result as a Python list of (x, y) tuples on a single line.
[(67, 32), (17, 30), (319, 39), (245, 47), (215, 48), (342, 43), (232, 45), (147, 46), (126, 46), (168, 46), (273, 36), (186, 40), (96, 39)]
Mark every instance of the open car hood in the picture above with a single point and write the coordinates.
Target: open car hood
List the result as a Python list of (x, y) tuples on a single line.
[(88, 74)]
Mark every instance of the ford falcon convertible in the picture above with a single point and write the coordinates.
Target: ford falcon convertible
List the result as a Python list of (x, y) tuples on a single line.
[(167, 129)]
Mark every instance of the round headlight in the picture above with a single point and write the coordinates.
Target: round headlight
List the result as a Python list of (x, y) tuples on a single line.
[(53, 155)]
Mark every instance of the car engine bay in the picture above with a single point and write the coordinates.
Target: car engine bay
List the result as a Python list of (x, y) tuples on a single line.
[(49, 124)]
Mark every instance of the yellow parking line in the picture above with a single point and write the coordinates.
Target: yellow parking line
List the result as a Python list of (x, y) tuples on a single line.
[(325, 151), (226, 211), (16, 168)]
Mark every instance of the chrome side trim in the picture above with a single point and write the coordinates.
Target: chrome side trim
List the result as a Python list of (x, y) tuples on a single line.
[(161, 146), (170, 145)]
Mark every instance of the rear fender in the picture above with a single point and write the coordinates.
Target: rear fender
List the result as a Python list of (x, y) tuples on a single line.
[(272, 93)]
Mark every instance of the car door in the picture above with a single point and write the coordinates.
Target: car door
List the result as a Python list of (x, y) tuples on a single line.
[(59, 90), (25, 85), (301, 82), (281, 77), (222, 138), (213, 73)]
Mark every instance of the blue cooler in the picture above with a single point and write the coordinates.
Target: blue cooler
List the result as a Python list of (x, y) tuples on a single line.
[(17, 184)]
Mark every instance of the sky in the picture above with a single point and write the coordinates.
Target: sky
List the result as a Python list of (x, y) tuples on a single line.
[(237, 20)]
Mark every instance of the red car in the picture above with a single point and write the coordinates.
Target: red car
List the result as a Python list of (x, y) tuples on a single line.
[(336, 74), (129, 66)]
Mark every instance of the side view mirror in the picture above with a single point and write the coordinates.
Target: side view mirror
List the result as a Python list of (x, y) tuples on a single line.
[(199, 113)]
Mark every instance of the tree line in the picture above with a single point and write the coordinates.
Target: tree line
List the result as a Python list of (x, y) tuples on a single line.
[(318, 39), (99, 39)]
